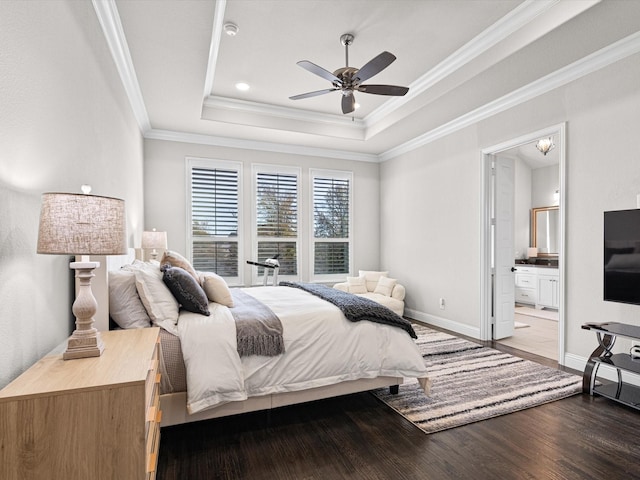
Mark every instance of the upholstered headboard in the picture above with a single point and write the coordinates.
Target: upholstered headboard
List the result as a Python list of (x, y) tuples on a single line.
[(100, 284)]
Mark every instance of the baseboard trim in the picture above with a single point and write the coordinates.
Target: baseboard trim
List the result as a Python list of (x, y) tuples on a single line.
[(461, 328)]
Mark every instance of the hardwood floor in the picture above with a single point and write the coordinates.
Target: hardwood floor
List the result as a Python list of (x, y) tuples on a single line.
[(359, 437)]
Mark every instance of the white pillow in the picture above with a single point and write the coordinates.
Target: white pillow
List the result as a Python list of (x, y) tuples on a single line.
[(125, 306), (356, 285), (216, 288), (157, 299), (371, 277), (385, 286)]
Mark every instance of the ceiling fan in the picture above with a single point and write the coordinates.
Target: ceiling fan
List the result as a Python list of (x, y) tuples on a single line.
[(349, 79)]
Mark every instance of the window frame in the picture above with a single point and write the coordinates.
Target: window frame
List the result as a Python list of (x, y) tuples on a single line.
[(336, 175), (256, 169), (212, 164)]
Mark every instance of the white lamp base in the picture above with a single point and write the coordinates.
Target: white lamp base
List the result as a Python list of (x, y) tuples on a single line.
[(85, 341)]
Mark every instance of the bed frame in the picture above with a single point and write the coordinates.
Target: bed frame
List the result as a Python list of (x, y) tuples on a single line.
[(174, 405)]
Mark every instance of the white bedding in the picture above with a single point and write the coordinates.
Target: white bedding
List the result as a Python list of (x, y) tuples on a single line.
[(322, 348)]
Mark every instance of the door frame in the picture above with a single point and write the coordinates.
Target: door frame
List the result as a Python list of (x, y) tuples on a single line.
[(486, 296)]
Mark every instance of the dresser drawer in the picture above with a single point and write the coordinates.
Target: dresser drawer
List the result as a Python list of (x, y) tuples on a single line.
[(153, 414), (152, 381)]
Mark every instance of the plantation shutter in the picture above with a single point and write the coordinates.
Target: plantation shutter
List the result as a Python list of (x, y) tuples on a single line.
[(214, 220), (277, 219), (331, 220)]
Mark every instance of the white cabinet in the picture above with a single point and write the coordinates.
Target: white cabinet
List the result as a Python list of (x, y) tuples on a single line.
[(525, 291), (537, 286), (548, 290)]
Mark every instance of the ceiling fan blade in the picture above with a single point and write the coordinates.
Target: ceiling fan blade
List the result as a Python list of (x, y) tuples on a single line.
[(394, 90), (313, 94), (374, 66), (348, 103), (313, 68)]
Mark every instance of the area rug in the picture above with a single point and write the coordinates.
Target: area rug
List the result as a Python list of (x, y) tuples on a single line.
[(470, 383)]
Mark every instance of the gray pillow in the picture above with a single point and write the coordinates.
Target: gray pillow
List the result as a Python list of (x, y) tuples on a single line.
[(185, 289)]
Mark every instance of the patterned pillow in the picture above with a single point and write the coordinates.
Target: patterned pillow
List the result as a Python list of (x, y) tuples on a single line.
[(186, 290)]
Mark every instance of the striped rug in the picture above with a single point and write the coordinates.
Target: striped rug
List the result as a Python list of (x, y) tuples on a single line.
[(470, 383)]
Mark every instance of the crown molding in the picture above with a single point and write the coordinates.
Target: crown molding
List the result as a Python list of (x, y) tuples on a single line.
[(520, 16), (214, 48), (246, 106), (196, 138), (109, 19), (606, 56)]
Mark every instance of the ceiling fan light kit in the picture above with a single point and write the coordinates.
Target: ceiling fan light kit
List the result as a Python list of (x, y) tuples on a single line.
[(349, 79)]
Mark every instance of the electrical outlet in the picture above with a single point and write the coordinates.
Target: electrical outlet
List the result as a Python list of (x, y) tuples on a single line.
[(441, 303)]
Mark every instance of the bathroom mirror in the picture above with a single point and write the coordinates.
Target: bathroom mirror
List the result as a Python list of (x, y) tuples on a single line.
[(545, 230)]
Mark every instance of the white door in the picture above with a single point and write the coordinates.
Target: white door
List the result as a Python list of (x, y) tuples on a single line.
[(504, 277)]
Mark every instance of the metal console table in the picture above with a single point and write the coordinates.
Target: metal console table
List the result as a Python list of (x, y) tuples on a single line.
[(621, 391)]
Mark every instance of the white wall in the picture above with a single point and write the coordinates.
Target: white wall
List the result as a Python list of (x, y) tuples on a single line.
[(166, 195), (522, 210), (64, 121), (431, 224)]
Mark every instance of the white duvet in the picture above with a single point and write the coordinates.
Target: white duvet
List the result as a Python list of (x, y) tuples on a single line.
[(322, 348)]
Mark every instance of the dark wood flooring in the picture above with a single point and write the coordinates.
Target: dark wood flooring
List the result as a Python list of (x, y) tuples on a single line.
[(359, 437)]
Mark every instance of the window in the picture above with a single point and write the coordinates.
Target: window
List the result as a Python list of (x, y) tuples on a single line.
[(276, 217), (215, 217), (331, 224)]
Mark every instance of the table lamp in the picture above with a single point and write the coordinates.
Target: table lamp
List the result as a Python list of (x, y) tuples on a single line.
[(154, 240), (82, 225)]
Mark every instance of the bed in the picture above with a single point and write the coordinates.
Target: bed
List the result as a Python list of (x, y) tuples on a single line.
[(325, 355)]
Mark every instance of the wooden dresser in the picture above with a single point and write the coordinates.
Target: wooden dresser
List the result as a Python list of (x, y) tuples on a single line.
[(90, 418)]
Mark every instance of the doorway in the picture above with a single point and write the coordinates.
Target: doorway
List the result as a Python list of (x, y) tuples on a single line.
[(499, 271)]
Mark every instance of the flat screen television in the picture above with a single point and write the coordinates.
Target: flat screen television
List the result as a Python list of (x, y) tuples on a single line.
[(622, 256)]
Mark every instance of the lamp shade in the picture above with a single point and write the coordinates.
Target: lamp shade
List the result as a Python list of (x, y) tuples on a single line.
[(78, 224), (154, 240)]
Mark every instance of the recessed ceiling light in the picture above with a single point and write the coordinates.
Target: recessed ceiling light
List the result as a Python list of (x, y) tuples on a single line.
[(230, 29), (243, 87)]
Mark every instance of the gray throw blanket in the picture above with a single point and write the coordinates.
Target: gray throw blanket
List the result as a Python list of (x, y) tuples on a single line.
[(258, 329), (356, 308)]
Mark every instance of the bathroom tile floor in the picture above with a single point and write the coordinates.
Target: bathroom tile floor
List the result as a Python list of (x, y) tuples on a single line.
[(540, 337)]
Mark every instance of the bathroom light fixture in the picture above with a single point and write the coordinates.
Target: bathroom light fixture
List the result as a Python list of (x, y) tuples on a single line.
[(242, 86), (545, 145), (230, 29)]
